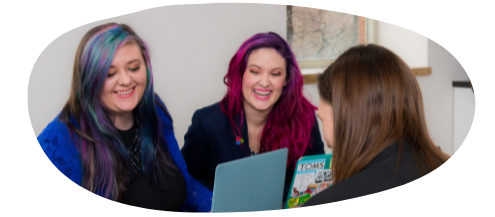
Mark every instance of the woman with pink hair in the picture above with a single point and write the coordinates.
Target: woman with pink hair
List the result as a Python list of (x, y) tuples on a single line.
[(263, 110)]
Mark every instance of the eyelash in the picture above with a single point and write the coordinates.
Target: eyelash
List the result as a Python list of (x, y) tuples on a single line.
[(134, 69), (274, 74)]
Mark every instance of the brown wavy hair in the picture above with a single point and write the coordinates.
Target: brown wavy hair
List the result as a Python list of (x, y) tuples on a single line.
[(376, 100)]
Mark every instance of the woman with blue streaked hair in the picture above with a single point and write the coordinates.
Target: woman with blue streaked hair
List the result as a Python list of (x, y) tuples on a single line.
[(114, 135)]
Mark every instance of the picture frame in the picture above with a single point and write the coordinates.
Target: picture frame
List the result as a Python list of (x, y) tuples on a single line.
[(318, 36)]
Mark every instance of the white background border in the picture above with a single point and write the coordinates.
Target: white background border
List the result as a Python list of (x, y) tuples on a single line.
[(30, 184)]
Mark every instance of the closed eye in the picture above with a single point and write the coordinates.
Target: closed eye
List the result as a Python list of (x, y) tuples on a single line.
[(134, 69)]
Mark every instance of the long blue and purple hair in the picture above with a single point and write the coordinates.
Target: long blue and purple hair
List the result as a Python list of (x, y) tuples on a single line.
[(107, 168), (292, 117)]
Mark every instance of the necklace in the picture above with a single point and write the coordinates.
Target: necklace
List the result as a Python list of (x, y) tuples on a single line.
[(134, 151)]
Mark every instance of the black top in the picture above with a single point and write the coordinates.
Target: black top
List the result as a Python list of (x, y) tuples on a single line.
[(378, 175), (141, 192), (210, 141)]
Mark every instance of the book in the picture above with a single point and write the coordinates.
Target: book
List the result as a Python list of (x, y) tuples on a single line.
[(313, 174)]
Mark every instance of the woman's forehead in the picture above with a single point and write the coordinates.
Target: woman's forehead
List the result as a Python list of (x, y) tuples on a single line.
[(127, 53)]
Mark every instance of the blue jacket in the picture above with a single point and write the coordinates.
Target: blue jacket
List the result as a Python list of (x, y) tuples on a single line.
[(210, 141), (57, 145)]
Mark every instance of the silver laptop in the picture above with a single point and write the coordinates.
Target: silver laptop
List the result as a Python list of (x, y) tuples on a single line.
[(253, 183)]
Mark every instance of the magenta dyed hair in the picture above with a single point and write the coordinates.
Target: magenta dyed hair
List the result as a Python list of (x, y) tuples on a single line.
[(292, 117)]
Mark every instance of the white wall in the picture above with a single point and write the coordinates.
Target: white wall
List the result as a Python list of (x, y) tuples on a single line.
[(463, 114), (410, 46), (437, 90), (191, 46), (438, 93)]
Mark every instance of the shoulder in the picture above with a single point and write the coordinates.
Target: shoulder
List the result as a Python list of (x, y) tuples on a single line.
[(162, 111), (409, 164), (381, 172), (379, 175), (56, 142), (211, 114), (55, 133), (315, 129), (207, 123), (316, 142), (160, 105), (213, 110)]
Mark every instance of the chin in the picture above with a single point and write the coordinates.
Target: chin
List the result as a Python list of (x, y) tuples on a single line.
[(258, 104), (263, 108), (126, 108), (329, 145)]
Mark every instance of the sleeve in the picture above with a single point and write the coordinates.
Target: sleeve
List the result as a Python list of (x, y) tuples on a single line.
[(55, 142), (199, 198), (317, 146), (196, 150)]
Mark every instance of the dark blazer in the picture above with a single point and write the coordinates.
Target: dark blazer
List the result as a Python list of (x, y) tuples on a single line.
[(210, 141), (378, 175)]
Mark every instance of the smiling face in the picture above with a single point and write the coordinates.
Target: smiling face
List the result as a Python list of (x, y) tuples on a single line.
[(264, 79), (126, 81), (325, 114)]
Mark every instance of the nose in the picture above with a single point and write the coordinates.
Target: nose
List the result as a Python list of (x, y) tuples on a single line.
[(265, 80), (124, 79)]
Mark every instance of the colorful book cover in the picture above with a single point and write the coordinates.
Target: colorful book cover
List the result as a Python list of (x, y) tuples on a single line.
[(312, 175)]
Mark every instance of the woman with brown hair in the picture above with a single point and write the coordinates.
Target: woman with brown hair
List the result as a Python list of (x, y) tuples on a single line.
[(373, 119)]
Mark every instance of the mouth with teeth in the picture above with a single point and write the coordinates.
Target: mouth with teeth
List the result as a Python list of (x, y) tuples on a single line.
[(262, 94), (125, 93)]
